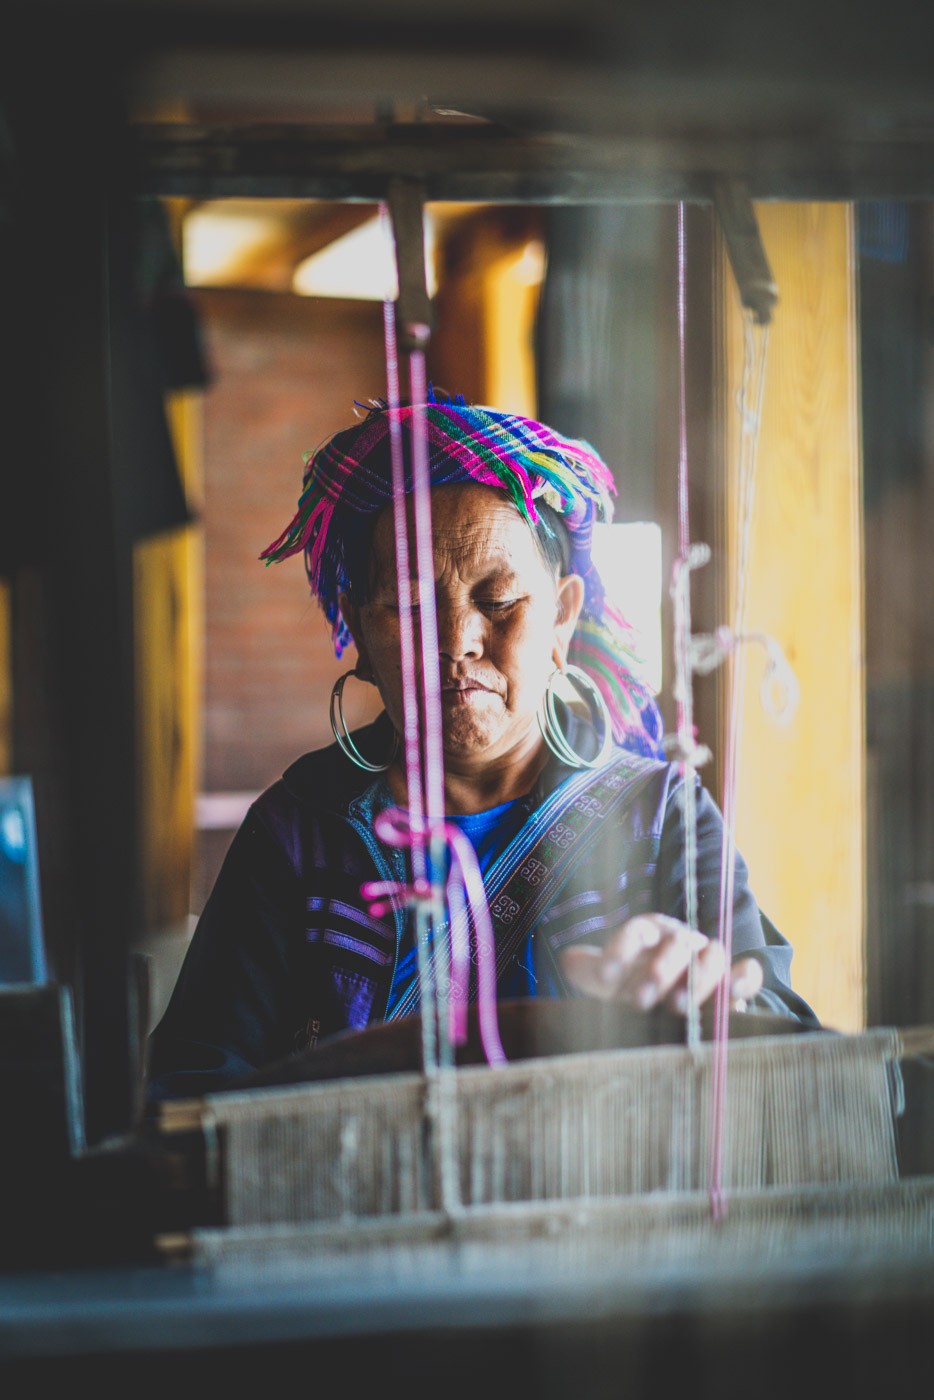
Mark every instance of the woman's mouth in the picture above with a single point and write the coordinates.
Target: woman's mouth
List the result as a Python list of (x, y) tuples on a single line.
[(462, 692)]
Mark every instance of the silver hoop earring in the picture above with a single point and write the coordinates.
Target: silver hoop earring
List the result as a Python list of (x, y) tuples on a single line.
[(550, 727), (342, 733)]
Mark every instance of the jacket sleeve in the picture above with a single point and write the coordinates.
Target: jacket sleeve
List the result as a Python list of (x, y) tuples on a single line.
[(235, 1004), (753, 935)]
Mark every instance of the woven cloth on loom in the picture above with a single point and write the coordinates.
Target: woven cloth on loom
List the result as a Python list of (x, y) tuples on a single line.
[(816, 1227), (802, 1111)]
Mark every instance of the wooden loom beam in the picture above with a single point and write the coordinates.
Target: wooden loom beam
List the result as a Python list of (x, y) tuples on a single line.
[(488, 164)]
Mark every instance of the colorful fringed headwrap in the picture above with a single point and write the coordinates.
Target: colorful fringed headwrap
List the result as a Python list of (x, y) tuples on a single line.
[(348, 479)]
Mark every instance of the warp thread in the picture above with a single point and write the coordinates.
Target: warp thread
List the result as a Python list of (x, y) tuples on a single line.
[(807, 1109)]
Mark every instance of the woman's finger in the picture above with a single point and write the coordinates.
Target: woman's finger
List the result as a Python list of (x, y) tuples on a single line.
[(648, 962), (646, 953), (668, 947), (745, 981), (698, 983), (583, 968), (746, 978), (640, 963), (615, 970)]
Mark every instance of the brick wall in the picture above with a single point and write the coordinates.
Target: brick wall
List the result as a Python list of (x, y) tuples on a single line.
[(286, 371)]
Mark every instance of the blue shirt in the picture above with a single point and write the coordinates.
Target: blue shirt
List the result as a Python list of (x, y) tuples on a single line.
[(489, 833)]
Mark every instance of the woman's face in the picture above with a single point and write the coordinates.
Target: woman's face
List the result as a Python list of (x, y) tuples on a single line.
[(504, 623)]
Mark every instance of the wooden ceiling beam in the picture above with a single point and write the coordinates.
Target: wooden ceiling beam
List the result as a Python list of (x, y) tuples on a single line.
[(488, 164)]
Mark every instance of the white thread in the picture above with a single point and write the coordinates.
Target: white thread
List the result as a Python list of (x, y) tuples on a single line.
[(690, 557), (779, 690)]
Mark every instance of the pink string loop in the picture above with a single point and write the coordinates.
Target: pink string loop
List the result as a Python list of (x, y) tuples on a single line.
[(466, 891), (399, 828), (385, 896), (467, 903)]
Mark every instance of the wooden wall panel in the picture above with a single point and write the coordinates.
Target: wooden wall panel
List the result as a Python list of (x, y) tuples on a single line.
[(896, 290), (167, 599)]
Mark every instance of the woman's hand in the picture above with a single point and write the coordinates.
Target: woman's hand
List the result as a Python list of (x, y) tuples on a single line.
[(646, 962)]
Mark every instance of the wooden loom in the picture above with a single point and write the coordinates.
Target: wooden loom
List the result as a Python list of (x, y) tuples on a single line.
[(591, 1149)]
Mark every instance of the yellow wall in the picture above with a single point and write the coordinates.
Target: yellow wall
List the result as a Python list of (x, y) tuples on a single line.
[(511, 294), (483, 341), (800, 789)]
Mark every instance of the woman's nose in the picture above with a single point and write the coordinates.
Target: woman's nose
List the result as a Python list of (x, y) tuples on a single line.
[(461, 631)]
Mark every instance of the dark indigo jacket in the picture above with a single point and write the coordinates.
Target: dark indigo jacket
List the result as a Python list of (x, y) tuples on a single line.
[(285, 952)]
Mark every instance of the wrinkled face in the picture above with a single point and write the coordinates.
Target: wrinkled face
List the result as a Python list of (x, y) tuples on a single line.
[(504, 623)]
